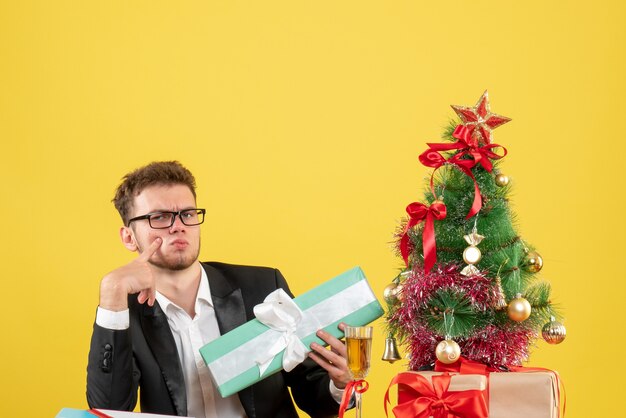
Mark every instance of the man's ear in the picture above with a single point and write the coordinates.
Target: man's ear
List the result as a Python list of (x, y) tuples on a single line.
[(128, 238)]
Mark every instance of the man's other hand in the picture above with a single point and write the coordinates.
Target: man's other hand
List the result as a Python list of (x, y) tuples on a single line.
[(333, 360)]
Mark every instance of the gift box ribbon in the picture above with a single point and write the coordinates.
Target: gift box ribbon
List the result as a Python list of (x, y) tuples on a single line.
[(356, 386), (435, 400), (280, 313), (465, 366)]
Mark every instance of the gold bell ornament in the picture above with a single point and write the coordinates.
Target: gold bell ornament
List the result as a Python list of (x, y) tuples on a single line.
[(553, 332), (391, 352)]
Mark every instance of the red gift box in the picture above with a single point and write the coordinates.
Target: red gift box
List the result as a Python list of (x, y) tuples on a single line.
[(439, 395), (521, 393)]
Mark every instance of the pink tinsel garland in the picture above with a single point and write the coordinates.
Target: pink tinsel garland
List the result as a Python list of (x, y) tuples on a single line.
[(506, 345)]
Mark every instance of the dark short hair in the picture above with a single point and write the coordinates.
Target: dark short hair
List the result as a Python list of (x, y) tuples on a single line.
[(161, 173)]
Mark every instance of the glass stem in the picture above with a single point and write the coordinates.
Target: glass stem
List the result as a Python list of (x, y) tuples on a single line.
[(357, 397)]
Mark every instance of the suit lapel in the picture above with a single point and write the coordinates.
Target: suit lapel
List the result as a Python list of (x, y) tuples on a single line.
[(227, 299), (159, 337)]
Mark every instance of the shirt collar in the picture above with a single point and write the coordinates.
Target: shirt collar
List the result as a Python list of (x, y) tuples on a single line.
[(204, 291), (204, 294)]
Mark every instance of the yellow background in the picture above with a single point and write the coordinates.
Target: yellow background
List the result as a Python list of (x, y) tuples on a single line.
[(302, 121)]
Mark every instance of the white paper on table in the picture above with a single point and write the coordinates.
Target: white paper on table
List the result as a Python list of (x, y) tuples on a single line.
[(124, 414)]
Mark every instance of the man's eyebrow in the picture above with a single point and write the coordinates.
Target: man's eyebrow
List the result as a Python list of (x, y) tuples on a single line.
[(173, 211)]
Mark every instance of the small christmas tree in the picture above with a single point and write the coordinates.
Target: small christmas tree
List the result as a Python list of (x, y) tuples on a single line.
[(470, 285)]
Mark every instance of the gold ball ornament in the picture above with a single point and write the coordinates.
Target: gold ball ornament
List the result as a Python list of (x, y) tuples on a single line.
[(519, 309), (553, 332), (389, 294), (448, 351), (502, 180), (533, 262), (472, 255)]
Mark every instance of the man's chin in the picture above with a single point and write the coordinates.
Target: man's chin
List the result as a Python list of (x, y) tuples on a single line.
[(173, 265)]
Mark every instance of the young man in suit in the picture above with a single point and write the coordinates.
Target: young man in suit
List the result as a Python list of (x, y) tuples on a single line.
[(158, 310)]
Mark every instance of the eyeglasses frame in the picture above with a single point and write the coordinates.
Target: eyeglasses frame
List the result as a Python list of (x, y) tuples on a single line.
[(175, 215)]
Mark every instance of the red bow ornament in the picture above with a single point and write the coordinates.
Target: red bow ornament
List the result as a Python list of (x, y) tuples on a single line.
[(435, 400), (358, 386), (479, 155), (467, 146), (419, 212)]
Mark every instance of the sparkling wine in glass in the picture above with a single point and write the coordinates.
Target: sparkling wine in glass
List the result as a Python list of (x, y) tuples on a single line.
[(359, 349)]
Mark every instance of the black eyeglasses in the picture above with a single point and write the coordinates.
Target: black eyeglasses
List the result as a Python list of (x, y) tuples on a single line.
[(163, 220)]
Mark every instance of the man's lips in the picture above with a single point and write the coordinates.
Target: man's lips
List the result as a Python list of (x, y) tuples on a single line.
[(179, 243)]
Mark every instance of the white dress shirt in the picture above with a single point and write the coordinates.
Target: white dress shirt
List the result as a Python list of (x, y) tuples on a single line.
[(190, 334)]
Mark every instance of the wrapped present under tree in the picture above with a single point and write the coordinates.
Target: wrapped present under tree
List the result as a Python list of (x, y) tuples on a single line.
[(532, 393)]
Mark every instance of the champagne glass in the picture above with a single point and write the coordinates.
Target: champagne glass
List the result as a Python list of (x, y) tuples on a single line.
[(359, 348)]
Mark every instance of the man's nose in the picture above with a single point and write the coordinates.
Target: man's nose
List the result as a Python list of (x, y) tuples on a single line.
[(178, 224)]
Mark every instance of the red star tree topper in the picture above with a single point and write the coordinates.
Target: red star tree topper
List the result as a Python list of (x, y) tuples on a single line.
[(480, 119)]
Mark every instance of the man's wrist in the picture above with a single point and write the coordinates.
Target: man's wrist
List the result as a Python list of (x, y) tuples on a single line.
[(113, 296), (335, 392)]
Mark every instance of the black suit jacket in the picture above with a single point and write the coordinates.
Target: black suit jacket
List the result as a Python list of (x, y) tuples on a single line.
[(145, 356)]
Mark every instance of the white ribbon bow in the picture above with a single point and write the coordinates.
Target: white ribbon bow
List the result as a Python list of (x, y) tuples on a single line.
[(280, 313)]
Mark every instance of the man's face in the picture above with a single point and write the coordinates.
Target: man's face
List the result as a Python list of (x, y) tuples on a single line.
[(181, 243)]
